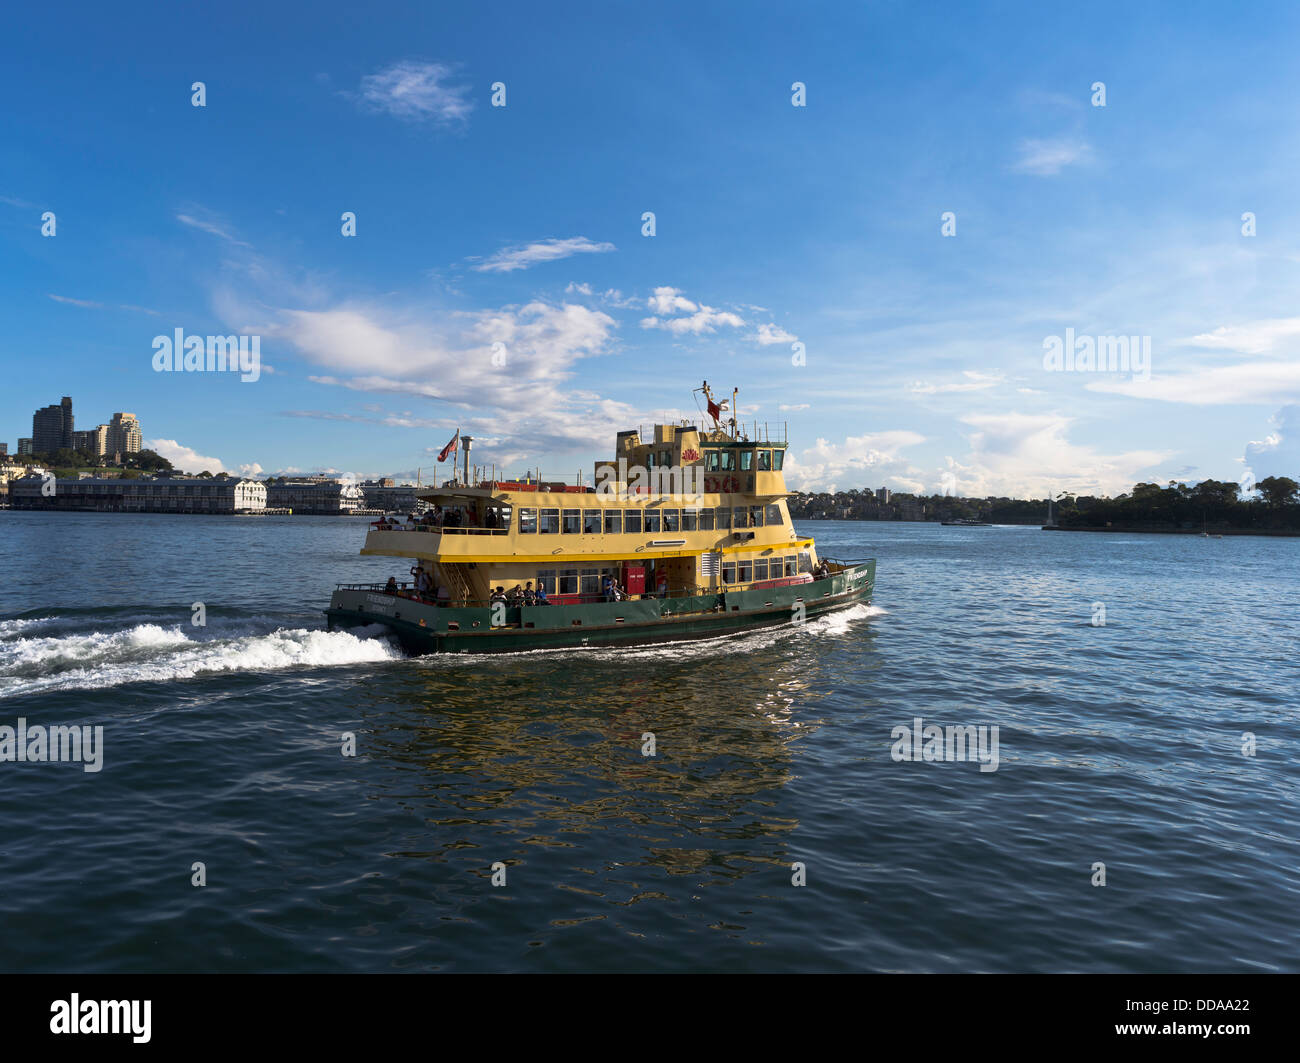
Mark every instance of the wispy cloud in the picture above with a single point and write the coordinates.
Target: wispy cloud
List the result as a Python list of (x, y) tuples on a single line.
[(513, 258), (14, 201), (418, 92), (88, 304), (211, 227), (974, 381), (1045, 158)]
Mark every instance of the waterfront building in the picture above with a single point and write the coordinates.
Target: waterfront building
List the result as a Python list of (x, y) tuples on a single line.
[(320, 496), (25, 446), (390, 497), (217, 495)]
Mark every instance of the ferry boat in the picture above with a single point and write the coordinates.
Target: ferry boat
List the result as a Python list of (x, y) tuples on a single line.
[(684, 535)]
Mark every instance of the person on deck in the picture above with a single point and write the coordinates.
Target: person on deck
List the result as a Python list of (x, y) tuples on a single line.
[(661, 587), (541, 595), (530, 596), (607, 589), (391, 586)]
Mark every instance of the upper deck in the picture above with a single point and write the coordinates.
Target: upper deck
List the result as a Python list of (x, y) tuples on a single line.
[(676, 492)]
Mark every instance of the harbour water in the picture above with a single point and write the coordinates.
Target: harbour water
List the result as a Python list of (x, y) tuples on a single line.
[(1120, 744)]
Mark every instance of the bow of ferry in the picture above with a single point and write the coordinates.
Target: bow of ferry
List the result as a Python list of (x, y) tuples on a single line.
[(692, 524)]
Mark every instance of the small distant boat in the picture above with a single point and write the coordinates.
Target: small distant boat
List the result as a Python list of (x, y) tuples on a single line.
[(966, 523)]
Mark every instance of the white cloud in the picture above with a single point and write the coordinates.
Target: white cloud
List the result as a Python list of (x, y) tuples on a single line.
[(513, 258), (792, 407), (770, 334), (699, 318), (1278, 453), (418, 92), (1029, 456), (184, 458), (1255, 337), (1045, 158), (1265, 383), (669, 301), (860, 461)]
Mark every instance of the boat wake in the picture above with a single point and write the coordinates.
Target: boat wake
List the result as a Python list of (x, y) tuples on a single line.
[(33, 663)]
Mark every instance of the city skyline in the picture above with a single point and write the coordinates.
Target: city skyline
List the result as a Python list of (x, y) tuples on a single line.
[(929, 243)]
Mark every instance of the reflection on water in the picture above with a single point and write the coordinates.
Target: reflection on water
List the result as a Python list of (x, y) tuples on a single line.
[(500, 753)]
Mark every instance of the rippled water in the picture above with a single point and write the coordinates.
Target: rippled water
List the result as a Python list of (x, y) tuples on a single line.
[(1119, 744)]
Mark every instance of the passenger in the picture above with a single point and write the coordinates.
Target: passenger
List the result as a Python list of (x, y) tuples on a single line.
[(607, 590), (516, 596), (498, 595), (541, 595), (391, 586), (661, 587), (530, 596)]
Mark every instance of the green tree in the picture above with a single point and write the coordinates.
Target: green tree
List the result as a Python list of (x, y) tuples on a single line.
[(1278, 490)]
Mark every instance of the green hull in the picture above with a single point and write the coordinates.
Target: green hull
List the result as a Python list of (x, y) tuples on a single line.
[(423, 628)]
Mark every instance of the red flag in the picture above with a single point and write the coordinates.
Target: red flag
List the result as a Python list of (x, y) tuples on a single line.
[(715, 411), (450, 448)]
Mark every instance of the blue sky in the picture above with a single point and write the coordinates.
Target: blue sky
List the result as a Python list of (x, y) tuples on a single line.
[(775, 225)]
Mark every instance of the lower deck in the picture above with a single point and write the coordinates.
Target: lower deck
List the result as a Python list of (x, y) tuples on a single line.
[(423, 627)]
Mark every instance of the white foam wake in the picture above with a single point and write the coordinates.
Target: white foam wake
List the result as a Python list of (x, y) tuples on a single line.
[(148, 653)]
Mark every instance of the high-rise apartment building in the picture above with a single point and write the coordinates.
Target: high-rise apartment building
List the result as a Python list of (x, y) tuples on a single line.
[(124, 436), (93, 442), (52, 427)]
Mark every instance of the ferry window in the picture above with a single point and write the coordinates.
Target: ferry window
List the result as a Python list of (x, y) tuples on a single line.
[(546, 580), (550, 522), (760, 568), (665, 458), (590, 581), (613, 522), (805, 561), (591, 522), (745, 572), (740, 517), (778, 458), (755, 516), (651, 520), (711, 461), (746, 461), (764, 460), (706, 520), (728, 572), (774, 514), (528, 520), (791, 565), (672, 520), (568, 581), (649, 459), (690, 519), (632, 521), (728, 460), (724, 518), (571, 521)]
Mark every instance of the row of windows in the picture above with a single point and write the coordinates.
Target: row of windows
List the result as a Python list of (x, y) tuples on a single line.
[(755, 569), (727, 460), (745, 570), (651, 521)]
